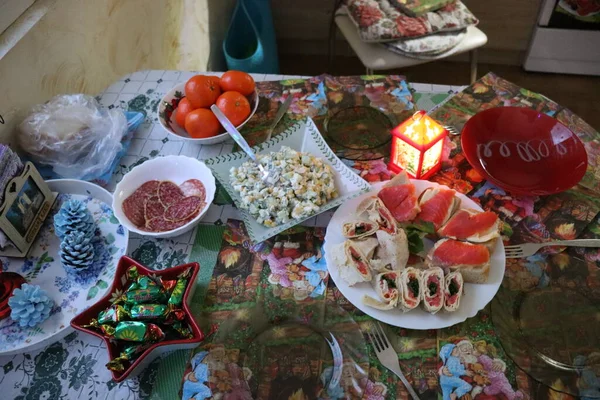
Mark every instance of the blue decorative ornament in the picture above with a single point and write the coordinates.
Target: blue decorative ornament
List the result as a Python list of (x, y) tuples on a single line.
[(74, 216), (30, 305), (77, 251)]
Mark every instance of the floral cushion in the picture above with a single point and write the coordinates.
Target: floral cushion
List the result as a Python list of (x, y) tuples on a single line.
[(379, 21), (432, 45), (416, 8), (419, 46)]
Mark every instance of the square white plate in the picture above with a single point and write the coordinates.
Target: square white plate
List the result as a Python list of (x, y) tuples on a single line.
[(305, 137)]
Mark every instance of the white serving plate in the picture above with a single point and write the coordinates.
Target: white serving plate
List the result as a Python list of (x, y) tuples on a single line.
[(179, 133), (305, 137), (475, 297), (72, 294), (176, 169)]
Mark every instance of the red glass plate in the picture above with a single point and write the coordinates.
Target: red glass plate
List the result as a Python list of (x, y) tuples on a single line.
[(524, 151), (83, 319)]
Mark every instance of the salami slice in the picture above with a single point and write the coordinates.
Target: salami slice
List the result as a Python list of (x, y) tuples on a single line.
[(133, 206), (169, 193), (193, 187), (150, 188), (184, 209), (153, 208), (160, 224)]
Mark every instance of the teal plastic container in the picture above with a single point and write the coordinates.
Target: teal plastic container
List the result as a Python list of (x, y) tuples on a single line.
[(250, 44)]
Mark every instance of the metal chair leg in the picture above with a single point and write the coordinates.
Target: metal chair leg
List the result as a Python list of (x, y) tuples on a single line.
[(473, 62), (332, 35)]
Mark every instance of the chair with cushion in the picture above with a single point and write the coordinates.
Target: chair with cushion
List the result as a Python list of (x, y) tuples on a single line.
[(375, 56)]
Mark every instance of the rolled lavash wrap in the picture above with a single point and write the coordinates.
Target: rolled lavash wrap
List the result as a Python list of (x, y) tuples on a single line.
[(376, 211), (386, 286), (353, 265), (433, 285), (409, 283), (392, 253), (359, 228), (453, 291), (366, 245)]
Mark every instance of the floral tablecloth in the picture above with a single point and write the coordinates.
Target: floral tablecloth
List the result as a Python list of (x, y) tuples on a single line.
[(505, 352), (74, 367)]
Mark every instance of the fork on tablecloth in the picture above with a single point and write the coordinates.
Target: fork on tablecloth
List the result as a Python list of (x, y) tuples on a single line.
[(529, 249), (387, 355)]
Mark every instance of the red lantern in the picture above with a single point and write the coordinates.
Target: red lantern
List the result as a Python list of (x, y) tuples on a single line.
[(417, 146)]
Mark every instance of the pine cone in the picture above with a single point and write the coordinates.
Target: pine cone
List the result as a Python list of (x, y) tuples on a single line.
[(30, 305), (77, 251), (73, 216)]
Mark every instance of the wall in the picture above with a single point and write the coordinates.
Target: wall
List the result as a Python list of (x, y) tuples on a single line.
[(84, 45), (302, 27)]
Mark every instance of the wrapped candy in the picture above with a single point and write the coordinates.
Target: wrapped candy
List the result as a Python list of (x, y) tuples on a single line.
[(169, 285), (143, 281), (151, 294), (132, 273), (129, 354), (147, 312), (176, 297), (134, 331), (143, 312), (182, 330), (112, 315)]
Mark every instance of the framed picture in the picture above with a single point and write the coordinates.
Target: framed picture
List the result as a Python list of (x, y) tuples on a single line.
[(27, 201)]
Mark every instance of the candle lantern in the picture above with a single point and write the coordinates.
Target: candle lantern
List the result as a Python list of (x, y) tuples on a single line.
[(417, 146)]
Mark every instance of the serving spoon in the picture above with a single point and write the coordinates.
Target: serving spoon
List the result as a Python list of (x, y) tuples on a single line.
[(268, 175)]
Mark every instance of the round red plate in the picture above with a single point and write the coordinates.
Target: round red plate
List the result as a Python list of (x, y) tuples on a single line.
[(524, 151)]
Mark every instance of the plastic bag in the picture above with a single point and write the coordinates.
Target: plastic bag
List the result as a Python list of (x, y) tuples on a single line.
[(73, 135)]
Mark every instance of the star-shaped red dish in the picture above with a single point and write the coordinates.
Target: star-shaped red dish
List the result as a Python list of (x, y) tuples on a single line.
[(159, 348)]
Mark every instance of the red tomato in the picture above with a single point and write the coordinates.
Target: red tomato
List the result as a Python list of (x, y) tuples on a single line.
[(183, 109), (202, 123), (237, 81), (235, 106), (202, 91)]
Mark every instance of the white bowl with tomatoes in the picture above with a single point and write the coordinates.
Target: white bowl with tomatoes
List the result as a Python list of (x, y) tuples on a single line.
[(185, 112)]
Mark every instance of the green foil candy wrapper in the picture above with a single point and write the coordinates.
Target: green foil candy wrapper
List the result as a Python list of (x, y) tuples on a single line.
[(143, 282), (156, 312), (182, 329), (141, 312), (134, 331), (128, 355), (112, 315), (132, 273), (176, 297), (152, 294)]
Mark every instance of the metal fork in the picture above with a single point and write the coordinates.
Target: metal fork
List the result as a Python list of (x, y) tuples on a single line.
[(387, 355), (452, 130), (280, 113), (529, 249)]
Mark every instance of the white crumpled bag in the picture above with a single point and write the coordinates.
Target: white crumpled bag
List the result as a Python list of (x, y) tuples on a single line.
[(73, 135)]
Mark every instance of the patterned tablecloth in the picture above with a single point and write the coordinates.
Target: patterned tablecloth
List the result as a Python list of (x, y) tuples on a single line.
[(74, 366)]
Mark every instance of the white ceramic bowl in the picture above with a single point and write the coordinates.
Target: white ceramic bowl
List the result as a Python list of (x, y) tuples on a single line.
[(176, 169), (171, 126)]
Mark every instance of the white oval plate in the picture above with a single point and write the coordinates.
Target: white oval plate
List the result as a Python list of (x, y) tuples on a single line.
[(475, 297), (71, 293)]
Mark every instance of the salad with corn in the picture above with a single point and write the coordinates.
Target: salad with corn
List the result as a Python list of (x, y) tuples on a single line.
[(305, 184)]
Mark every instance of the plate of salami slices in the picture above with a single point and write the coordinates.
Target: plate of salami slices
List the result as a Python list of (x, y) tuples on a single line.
[(165, 196), (415, 254)]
